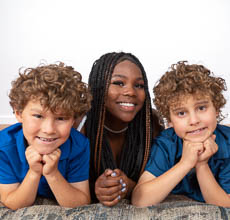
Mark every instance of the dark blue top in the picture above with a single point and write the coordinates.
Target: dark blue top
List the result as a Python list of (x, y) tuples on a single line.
[(73, 163), (167, 151)]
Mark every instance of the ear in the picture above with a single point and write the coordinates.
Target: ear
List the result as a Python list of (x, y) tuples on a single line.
[(18, 115), (170, 124)]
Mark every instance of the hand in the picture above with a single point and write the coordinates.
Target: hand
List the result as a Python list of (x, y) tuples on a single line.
[(34, 160), (51, 162), (191, 152), (210, 148), (110, 187)]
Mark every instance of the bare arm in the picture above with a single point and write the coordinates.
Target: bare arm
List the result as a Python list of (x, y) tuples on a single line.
[(67, 194), (211, 190), (160, 187), (17, 195), (157, 187)]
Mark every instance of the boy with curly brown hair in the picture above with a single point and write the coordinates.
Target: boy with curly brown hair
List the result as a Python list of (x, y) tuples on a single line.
[(192, 157), (43, 155)]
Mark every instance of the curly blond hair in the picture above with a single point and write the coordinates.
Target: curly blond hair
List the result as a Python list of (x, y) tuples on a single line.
[(58, 88), (183, 80)]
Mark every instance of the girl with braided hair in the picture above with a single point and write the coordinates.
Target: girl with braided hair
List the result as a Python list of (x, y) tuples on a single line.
[(120, 126)]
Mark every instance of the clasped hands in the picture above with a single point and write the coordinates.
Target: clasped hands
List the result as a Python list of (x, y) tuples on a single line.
[(111, 187), (198, 153), (46, 164)]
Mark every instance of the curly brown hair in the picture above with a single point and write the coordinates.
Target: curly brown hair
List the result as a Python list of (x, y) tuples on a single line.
[(183, 80), (58, 88)]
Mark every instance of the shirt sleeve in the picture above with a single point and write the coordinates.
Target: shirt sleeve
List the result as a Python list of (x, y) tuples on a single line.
[(79, 164), (224, 175), (160, 157), (7, 175)]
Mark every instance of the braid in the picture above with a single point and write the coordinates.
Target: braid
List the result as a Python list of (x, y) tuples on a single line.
[(138, 140)]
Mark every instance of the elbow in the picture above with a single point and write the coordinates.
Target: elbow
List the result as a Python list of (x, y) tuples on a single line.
[(141, 199), (14, 207)]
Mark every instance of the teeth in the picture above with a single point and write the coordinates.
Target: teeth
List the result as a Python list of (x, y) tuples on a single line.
[(196, 131), (47, 139), (127, 104)]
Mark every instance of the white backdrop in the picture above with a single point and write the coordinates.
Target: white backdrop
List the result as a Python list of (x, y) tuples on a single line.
[(159, 33)]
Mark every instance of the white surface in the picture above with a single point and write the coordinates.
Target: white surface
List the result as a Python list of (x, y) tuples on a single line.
[(159, 33)]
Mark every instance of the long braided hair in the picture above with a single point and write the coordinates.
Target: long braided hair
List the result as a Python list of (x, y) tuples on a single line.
[(141, 130)]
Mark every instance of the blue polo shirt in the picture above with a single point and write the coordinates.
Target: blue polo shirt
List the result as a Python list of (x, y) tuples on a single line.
[(73, 163), (167, 151)]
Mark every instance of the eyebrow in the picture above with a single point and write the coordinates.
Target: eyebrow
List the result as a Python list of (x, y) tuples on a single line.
[(122, 76), (202, 102)]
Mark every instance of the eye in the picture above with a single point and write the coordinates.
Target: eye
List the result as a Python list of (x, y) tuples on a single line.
[(139, 86), (181, 113), (37, 116), (61, 118), (202, 108), (118, 83)]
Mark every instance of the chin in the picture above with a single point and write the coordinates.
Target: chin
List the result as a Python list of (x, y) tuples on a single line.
[(46, 151)]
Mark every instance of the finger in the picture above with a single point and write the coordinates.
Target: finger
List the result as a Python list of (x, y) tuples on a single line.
[(111, 203), (213, 137), (108, 191), (108, 172), (106, 183)]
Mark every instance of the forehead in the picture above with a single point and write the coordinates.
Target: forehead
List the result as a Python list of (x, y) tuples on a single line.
[(127, 67), (36, 105), (182, 100)]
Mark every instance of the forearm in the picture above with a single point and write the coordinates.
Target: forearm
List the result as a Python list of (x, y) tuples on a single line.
[(210, 189), (65, 194), (154, 191), (25, 194), (131, 185)]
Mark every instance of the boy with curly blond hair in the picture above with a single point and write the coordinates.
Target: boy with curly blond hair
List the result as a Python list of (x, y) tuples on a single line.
[(192, 157), (42, 154)]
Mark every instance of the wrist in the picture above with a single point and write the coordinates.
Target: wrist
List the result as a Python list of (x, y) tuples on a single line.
[(33, 174), (201, 165), (52, 175)]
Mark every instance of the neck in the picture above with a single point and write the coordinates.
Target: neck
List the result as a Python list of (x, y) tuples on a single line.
[(115, 131)]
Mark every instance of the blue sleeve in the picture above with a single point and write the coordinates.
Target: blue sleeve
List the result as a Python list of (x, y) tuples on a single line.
[(223, 157), (7, 175), (79, 165), (224, 176), (160, 157)]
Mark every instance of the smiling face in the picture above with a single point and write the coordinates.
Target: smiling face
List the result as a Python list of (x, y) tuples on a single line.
[(194, 119), (126, 94), (44, 130)]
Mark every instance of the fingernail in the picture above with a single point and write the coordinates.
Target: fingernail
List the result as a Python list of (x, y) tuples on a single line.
[(121, 181), (113, 174), (119, 197), (124, 185), (123, 189)]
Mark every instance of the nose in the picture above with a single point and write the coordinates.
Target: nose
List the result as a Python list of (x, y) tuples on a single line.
[(194, 118), (48, 126), (129, 91)]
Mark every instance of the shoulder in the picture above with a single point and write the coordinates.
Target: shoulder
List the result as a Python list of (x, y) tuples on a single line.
[(78, 141), (222, 133), (167, 136), (10, 135), (167, 142)]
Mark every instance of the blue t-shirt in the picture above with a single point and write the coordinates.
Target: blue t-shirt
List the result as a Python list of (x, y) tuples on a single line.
[(167, 151), (73, 163)]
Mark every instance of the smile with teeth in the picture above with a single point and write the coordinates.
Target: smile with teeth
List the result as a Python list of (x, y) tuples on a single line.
[(127, 104), (47, 139), (196, 131)]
